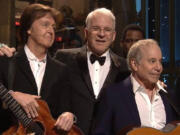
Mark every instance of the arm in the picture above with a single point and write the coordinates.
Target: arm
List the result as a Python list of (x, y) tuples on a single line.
[(66, 119), (60, 98)]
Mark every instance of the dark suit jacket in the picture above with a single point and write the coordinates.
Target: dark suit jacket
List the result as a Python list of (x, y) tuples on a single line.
[(118, 109), (55, 89), (177, 92), (84, 103)]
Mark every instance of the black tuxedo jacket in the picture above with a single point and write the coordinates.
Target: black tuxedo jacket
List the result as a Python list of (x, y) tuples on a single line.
[(55, 89), (84, 103)]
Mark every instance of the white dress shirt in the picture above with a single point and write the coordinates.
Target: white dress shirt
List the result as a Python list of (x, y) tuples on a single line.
[(97, 72), (37, 67), (152, 113)]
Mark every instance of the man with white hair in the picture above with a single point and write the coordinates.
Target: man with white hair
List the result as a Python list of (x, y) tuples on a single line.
[(93, 67), (139, 100)]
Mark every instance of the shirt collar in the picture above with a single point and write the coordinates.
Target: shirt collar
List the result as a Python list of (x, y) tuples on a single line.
[(32, 57), (138, 87)]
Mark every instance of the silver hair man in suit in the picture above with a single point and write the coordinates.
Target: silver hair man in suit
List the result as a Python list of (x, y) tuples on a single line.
[(93, 67)]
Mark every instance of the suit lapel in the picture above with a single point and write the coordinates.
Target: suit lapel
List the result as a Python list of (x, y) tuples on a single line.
[(46, 77), (83, 66), (169, 105), (131, 103), (23, 65)]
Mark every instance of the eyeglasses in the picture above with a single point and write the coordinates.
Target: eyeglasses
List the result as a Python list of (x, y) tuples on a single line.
[(106, 30)]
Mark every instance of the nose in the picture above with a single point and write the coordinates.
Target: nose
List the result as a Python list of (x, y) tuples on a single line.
[(159, 67), (51, 29), (101, 32)]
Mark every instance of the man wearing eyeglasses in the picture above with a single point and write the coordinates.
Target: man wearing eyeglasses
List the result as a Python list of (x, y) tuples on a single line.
[(94, 66), (131, 34)]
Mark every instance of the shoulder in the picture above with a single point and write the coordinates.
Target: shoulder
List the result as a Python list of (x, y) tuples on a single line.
[(55, 63), (119, 89), (68, 51), (121, 65), (58, 70), (118, 60), (115, 94), (65, 55)]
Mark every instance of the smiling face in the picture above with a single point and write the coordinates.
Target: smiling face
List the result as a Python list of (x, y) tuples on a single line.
[(148, 70), (100, 33), (41, 32)]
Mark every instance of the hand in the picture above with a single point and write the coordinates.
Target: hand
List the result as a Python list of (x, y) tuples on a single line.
[(65, 121), (28, 102), (162, 84), (5, 50)]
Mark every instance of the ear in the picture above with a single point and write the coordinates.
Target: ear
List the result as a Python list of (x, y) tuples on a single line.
[(85, 33), (29, 32), (134, 64), (114, 35)]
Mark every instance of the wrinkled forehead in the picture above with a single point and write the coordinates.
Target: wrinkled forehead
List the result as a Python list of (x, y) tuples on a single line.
[(101, 18), (151, 50)]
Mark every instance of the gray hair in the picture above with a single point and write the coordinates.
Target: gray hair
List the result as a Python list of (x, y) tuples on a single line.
[(104, 11), (135, 52)]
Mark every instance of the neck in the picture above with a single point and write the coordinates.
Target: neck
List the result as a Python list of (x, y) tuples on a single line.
[(144, 83), (39, 51), (96, 52), (150, 93), (150, 88)]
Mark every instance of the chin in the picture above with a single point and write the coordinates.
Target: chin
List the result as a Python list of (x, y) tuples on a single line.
[(101, 52), (47, 46), (154, 81)]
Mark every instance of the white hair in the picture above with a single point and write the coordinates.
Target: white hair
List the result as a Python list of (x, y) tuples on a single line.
[(135, 52), (104, 11)]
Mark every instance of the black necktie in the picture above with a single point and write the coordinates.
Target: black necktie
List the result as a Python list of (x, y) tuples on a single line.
[(94, 57)]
